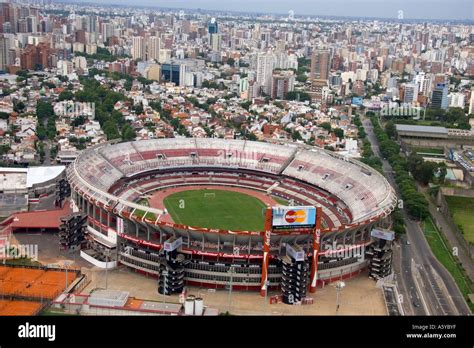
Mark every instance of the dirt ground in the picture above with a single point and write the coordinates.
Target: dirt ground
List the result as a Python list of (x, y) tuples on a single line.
[(359, 297), (48, 249)]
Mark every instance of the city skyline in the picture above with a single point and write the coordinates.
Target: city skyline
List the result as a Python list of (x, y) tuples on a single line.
[(420, 9)]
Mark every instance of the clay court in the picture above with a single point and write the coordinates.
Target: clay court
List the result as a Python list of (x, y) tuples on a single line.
[(33, 282), (19, 307)]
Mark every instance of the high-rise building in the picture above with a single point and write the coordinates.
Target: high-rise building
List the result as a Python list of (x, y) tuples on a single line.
[(32, 24), (35, 55), (91, 24), (320, 65), (153, 46), (173, 73), (4, 54), (264, 71), (282, 83), (456, 100), (411, 93), (138, 48), (107, 31), (153, 72), (212, 27), (439, 98), (216, 41), (471, 102)]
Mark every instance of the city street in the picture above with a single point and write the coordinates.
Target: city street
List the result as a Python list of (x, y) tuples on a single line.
[(430, 288)]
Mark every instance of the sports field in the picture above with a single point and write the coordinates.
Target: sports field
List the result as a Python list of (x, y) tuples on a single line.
[(216, 209), (462, 209)]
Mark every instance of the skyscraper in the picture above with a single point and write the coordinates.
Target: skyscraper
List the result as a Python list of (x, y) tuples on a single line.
[(4, 56), (283, 82), (107, 31), (212, 27), (91, 23), (439, 99), (138, 48), (320, 65), (153, 46), (216, 40), (411, 93), (264, 71)]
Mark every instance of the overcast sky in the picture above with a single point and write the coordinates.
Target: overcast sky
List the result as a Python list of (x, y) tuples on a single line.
[(422, 9)]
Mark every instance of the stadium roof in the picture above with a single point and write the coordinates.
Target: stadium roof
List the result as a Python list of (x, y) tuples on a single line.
[(421, 129), (38, 175), (14, 178)]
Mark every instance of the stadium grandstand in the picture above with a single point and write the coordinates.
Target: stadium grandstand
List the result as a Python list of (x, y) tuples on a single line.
[(109, 181)]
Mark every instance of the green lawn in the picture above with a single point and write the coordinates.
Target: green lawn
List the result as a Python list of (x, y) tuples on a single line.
[(428, 150), (23, 261), (462, 209), (444, 255), (216, 209), (280, 200), (140, 213)]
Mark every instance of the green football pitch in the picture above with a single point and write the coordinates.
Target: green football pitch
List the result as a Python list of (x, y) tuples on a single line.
[(216, 209), (462, 209)]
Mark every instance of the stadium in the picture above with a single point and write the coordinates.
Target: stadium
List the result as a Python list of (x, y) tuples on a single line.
[(196, 209)]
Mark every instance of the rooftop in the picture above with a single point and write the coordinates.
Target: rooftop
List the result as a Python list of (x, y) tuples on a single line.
[(421, 129)]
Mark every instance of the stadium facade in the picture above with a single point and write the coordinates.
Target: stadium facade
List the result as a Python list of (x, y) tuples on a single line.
[(108, 180)]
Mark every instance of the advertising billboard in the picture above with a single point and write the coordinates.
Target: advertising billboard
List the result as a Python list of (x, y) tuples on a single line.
[(387, 235), (173, 244), (294, 217), (295, 252)]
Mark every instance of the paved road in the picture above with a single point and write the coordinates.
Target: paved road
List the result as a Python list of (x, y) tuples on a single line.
[(426, 284)]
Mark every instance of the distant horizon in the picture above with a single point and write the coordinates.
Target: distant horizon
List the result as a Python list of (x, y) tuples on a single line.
[(458, 10)]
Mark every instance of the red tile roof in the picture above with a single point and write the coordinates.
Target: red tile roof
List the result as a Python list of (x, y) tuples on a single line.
[(40, 219)]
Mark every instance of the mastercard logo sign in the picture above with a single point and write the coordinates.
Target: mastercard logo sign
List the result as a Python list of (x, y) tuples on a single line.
[(293, 216)]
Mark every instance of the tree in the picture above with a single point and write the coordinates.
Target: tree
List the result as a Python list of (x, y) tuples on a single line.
[(44, 110), (298, 95), (424, 173), (391, 129), (18, 106), (111, 130), (4, 149), (22, 73), (65, 95), (78, 121), (339, 133), (138, 108), (296, 135), (326, 126), (301, 78), (231, 61), (128, 133), (251, 136)]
